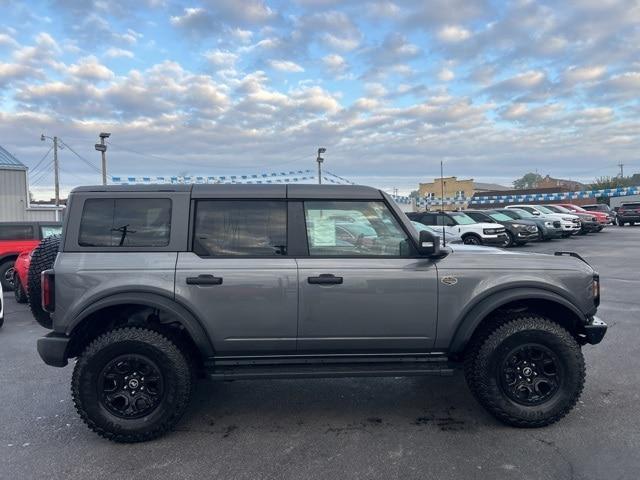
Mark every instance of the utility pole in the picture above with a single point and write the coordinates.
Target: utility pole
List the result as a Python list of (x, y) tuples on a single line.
[(320, 160), (56, 167), (102, 148)]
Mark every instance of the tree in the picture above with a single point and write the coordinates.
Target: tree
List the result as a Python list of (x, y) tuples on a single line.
[(414, 194), (528, 180), (602, 183)]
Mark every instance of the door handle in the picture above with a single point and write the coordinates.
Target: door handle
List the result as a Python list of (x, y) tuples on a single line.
[(204, 280), (325, 279)]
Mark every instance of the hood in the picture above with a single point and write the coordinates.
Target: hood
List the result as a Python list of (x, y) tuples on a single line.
[(471, 256)]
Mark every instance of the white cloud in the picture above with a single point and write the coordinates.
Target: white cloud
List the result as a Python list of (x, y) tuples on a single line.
[(453, 34), (89, 68), (221, 58), (446, 75), (118, 53), (286, 66), (575, 74), (335, 63)]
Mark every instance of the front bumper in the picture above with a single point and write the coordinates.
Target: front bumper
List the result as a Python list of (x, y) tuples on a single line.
[(593, 331), (495, 240), (526, 235), (52, 348)]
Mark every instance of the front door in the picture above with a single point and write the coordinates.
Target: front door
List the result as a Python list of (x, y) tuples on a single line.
[(360, 288), (238, 280)]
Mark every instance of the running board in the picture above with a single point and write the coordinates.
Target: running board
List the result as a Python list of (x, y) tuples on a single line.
[(223, 369)]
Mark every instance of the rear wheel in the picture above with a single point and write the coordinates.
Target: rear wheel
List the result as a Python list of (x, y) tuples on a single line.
[(18, 289), (620, 223), (132, 385), (6, 275), (42, 259), (527, 372)]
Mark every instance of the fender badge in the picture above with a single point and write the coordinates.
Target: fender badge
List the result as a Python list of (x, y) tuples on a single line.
[(449, 280)]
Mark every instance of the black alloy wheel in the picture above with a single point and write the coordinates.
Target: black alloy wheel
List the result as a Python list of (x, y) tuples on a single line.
[(131, 386), (530, 374)]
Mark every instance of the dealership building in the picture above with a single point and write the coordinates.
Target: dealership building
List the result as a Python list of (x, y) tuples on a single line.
[(14, 194)]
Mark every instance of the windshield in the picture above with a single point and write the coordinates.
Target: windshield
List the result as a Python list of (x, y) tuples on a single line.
[(544, 209), (501, 217), (560, 209), (462, 218)]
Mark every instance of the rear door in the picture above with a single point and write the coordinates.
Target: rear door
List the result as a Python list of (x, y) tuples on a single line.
[(237, 277), (368, 294)]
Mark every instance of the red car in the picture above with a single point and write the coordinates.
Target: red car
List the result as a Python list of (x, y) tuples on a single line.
[(603, 218), (20, 276), (18, 237)]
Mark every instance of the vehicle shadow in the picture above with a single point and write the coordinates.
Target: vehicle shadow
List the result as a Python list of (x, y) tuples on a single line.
[(334, 406)]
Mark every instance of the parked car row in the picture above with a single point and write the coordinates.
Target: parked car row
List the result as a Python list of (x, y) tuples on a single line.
[(516, 224)]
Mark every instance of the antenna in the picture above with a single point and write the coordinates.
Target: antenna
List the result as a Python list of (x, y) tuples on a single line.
[(444, 231)]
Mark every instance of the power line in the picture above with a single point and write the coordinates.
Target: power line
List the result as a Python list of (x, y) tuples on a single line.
[(87, 162), (42, 159), (42, 174)]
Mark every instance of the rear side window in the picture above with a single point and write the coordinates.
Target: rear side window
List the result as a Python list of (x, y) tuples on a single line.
[(16, 232), (240, 228), (125, 222)]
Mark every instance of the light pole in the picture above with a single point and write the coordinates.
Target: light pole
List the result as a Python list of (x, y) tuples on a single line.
[(320, 160), (56, 173), (102, 148)]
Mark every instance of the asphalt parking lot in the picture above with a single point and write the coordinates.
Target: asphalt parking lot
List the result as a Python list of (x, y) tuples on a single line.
[(345, 428)]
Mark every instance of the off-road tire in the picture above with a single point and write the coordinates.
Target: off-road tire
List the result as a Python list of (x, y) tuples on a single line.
[(18, 290), (620, 223), (177, 378), (491, 345), (42, 259), (471, 239), (5, 267)]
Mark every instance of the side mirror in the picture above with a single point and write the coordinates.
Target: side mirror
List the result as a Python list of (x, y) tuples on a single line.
[(428, 244), (536, 213)]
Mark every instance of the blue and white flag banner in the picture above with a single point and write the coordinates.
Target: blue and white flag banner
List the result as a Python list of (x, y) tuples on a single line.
[(269, 177), (534, 197), (293, 176)]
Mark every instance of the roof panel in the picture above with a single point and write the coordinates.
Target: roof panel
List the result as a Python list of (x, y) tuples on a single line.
[(8, 160)]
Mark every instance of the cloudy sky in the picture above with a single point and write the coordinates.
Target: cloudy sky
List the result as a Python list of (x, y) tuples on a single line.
[(390, 88)]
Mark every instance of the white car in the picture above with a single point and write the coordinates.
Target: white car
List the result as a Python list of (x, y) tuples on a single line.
[(459, 223), (449, 236), (570, 223)]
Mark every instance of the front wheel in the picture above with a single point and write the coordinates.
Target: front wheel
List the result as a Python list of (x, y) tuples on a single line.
[(132, 385), (471, 240), (6, 275), (528, 372)]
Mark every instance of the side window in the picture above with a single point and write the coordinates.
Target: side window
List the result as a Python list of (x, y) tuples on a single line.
[(352, 229), (446, 221), (16, 232), (47, 231), (240, 228), (428, 220), (125, 222)]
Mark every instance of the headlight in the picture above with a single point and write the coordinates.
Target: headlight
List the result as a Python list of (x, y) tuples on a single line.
[(568, 219), (519, 225), (532, 228), (492, 231)]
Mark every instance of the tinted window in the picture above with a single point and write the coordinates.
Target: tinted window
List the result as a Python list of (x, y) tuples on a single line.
[(125, 222), (240, 228), (373, 230), (445, 220), (16, 232), (48, 230)]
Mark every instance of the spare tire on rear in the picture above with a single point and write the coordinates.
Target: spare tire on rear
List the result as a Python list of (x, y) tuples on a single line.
[(42, 259)]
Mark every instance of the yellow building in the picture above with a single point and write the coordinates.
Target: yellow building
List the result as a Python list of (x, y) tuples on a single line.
[(452, 188)]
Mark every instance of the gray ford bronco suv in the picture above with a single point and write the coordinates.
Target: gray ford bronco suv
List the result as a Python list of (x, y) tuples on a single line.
[(155, 286)]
